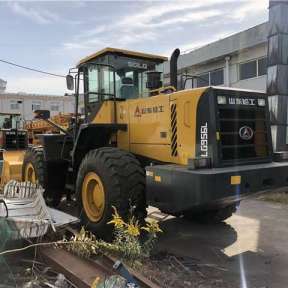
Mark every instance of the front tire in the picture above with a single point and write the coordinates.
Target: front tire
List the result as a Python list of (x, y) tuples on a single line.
[(110, 177), (211, 216)]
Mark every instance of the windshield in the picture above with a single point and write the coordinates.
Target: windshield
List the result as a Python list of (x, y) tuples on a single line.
[(131, 76), (126, 80)]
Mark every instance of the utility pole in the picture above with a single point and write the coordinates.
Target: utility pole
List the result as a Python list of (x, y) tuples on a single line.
[(277, 72)]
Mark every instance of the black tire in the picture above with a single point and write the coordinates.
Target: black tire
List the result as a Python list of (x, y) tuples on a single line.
[(53, 188), (123, 180), (35, 156), (211, 216)]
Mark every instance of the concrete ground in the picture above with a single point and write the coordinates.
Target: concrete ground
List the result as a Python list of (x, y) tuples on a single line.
[(251, 247)]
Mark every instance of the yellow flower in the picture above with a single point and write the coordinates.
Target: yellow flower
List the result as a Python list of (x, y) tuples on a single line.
[(95, 282), (133, 228), (117, 220), (152, 227)]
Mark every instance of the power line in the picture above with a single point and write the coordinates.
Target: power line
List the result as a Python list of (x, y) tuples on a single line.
[(31, 69)]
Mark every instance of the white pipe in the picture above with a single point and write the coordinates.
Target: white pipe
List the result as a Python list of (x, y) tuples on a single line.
[(227, 72)]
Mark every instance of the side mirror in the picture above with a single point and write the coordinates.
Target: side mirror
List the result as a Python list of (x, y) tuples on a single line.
[(70, 82)]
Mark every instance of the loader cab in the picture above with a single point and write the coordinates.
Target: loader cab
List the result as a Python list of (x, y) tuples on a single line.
[(119, 75), (12, 134), (9, 121)]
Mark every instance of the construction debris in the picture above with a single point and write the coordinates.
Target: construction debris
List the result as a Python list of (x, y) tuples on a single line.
[(24, 213), (169, 270), (30, 273)]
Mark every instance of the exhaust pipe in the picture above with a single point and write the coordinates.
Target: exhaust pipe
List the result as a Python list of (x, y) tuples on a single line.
[(173, 68)]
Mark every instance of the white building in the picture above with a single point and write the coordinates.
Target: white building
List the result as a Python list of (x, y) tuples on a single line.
[(26, 103), (236, 61)]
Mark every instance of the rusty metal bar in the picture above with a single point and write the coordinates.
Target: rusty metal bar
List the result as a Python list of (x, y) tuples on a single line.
[(79, 271), (83, 272)]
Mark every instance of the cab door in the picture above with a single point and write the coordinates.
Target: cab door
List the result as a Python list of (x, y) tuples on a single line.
[(98, 87)]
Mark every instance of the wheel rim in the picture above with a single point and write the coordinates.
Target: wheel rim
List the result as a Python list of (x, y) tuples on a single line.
[(30, 174), (93, 197)]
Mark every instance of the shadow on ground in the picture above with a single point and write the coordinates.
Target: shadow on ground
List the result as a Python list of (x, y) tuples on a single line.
[(251, 246)]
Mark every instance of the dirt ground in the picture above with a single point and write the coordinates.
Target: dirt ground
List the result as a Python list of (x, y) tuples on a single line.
[(250, 250)]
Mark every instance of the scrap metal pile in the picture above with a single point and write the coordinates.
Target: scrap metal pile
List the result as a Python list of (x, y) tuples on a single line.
[(24, 213)]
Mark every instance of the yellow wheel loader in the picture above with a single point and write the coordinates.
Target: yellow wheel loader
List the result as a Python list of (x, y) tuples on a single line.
[(193, 153), (40, 126), (13, 143)]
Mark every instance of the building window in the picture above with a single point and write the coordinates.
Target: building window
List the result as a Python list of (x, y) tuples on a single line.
[(214, 78), (36, 105), (248, 70), (253, 68), (203, 80), (15, 104), (217, 77), (262, 66), (54, 106)]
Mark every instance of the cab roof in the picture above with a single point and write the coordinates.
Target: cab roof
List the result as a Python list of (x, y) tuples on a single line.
[(109, 50)]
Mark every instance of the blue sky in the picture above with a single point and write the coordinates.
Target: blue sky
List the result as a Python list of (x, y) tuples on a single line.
[(54, 35)]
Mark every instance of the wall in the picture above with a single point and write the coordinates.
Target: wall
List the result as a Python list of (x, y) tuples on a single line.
[(257, 83), (65, 103), (241, 47)]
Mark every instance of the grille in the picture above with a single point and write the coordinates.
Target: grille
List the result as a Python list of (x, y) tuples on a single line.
[(231, 120), (174, 151), (13, 141)]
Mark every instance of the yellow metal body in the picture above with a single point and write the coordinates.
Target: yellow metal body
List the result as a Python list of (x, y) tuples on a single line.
[(148, 120), (12, 166), (150, 129)]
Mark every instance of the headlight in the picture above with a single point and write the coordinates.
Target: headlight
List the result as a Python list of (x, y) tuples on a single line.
[(261, 102), (221, 100)]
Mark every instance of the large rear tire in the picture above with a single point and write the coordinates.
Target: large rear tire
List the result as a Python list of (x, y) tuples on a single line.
[(110, 177), (36, 170), (211, 216)]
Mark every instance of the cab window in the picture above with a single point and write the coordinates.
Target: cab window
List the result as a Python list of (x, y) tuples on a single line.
[(126, 80)]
